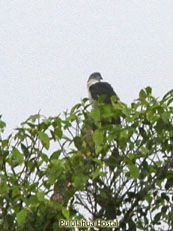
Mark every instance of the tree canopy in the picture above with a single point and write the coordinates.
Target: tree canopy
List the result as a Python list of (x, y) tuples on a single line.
[(82, 165)]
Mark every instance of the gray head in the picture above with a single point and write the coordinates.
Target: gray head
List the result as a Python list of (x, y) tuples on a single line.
[(95, 76)]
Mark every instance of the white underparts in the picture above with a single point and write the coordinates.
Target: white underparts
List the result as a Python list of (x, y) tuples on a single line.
[(89, 84)]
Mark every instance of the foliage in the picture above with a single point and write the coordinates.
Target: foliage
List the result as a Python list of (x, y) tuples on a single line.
[(82, 165)]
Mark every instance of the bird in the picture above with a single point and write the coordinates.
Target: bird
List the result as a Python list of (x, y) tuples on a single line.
[(97, 88)]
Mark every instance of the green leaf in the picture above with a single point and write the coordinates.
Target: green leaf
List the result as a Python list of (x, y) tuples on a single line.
[(66, 213), (165, 116), (77, 142), (21, 217), (96, 114), (44, 157), (4, 188), (55, 155), (142, 94), (148, 90), (126, 111), (131, 156), (5, 143), (124, 134), (79, 181), (98, 136), (169, 95), (58, 132), (77, 106), (99, 149), (40, 196), (17, 157), (32, 118), (134, 171), (44, 139), (2, 125), (157, 218), (84, 100), (107, 111), (96, 173)]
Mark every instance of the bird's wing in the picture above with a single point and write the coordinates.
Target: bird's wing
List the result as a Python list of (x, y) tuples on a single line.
[(102, 88)]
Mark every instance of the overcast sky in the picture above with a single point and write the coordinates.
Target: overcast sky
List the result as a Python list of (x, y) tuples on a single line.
[(48, 48)]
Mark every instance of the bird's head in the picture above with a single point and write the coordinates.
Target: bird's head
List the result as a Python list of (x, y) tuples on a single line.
[(96, 76)]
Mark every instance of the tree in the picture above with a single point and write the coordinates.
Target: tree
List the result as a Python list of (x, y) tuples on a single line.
[(80, 165)]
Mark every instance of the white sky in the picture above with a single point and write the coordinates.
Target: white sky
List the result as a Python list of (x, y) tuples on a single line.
[(48, 48)]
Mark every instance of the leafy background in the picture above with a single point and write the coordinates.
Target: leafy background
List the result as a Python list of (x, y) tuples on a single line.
[(81, 165)]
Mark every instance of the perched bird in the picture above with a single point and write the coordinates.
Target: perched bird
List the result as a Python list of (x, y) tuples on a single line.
[(97, 88)]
